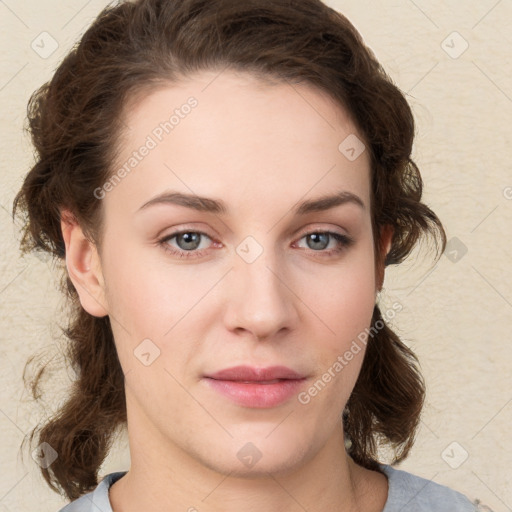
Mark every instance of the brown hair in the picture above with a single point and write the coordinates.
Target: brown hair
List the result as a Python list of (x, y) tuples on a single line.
[(75, 121)]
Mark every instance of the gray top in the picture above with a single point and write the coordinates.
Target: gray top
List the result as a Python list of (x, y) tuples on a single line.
[(406, 493)]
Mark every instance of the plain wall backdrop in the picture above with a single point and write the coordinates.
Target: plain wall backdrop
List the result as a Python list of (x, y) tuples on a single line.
[(453, 60)]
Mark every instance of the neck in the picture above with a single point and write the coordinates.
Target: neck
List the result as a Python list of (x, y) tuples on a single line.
[(164, 477)]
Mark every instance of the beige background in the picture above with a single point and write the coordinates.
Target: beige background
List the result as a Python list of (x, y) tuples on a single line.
[(457, 314)]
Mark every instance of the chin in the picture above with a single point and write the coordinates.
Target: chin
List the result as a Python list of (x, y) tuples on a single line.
[(256, 456)]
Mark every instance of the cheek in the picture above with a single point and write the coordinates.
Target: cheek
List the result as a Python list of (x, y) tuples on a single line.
[(157, 301), (134, 296), (345, 298), (346, 305), (141, 294)]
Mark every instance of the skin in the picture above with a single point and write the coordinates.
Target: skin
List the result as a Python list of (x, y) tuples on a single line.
[(260, 148)]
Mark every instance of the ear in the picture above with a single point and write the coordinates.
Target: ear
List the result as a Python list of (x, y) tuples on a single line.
[(385, 242), (83, 265)]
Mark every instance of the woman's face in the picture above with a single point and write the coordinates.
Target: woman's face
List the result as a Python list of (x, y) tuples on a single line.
[(252, 284)]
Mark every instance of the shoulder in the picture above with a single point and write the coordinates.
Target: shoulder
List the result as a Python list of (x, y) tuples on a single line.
[(411, 492), (96, 500)]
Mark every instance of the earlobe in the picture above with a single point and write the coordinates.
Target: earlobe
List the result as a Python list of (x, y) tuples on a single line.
[(385, 243), (387, 239), (83, 266)]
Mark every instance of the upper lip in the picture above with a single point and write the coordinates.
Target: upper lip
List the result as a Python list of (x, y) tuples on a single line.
[(253, 374)]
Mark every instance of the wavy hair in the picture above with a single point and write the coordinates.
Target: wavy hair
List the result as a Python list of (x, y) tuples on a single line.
[(75, 122)]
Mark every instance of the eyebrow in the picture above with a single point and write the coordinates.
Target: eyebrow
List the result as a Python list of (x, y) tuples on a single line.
[(206, 204)]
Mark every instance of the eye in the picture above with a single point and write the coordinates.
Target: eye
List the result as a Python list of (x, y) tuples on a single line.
[(188, 243), (318, 241)]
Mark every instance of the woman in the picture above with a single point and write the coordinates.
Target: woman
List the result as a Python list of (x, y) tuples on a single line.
[(226, 182)]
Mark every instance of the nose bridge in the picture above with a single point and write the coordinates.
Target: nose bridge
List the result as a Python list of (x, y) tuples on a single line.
[(261, 301)]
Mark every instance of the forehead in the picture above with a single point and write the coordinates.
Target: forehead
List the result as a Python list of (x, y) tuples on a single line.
[(234, 136)]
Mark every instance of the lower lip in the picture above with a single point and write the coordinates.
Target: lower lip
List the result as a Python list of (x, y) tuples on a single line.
[(257, 395)]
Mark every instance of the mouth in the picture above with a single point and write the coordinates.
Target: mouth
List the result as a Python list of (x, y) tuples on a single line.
[(256, 387), (259, 381), (255, 374)]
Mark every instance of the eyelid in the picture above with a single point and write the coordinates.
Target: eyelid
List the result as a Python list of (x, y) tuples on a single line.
[(322, 228), (184, 228)]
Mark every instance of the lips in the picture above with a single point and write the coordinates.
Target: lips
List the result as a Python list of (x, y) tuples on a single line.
[(252, 374), (256, 387)]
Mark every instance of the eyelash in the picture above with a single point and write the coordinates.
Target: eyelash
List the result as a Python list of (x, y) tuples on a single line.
[(343, 241)]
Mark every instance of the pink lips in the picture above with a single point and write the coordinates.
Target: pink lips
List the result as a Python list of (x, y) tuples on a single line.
[(256, 387)]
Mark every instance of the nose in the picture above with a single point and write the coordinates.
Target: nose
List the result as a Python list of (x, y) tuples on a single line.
[(259, 298)]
